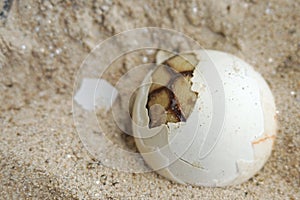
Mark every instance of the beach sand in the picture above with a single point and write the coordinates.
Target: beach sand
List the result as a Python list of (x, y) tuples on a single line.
[(42, 45)]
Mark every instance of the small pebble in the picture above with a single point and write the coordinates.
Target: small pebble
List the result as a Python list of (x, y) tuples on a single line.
[(58, 51), (268, 11), (245, 5), (105, 7), (150, 51), (23, 47), (293, 93), (195, 9), (145, 59)]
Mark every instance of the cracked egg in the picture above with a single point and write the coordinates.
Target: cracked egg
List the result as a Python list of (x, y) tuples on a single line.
[(204, 129)]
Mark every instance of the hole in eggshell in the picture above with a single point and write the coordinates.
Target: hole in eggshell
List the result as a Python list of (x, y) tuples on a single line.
[(170, 98)]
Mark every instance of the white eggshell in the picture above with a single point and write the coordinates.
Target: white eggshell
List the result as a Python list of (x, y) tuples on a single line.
[(198, 151)]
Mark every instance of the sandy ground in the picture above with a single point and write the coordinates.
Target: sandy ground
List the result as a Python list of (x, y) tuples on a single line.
[(42, 44)]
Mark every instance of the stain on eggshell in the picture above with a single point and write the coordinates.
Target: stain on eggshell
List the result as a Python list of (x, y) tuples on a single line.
[(268, 137)]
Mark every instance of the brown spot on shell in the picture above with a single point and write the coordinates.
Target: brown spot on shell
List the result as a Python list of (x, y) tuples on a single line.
[(260, 140)]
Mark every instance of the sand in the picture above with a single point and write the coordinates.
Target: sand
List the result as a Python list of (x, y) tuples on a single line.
[(42, 44)]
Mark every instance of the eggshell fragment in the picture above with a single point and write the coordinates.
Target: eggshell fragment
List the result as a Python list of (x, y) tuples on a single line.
[(194, 151)]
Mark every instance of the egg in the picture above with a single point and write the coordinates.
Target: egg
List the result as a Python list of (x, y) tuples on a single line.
[(205, 118)]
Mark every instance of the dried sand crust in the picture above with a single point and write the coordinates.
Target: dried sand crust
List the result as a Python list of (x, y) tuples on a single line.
[(42, 44)]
